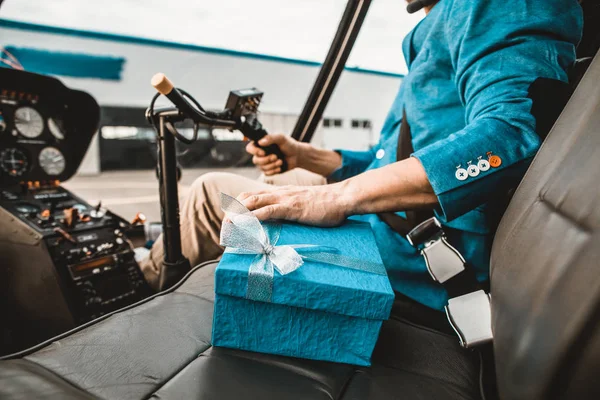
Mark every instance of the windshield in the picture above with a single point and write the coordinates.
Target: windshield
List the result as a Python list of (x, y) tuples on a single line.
[(301, 30)]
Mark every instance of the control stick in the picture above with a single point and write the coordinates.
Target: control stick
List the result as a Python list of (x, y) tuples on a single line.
[(240, 113)]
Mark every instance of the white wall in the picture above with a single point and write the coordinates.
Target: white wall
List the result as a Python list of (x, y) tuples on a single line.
[(210, 77)]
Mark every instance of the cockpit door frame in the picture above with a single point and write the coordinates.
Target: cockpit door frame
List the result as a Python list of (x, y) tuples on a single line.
[(332, 68)]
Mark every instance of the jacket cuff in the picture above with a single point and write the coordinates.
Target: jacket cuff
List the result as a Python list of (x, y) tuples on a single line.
[(464, 177), (353, 163)]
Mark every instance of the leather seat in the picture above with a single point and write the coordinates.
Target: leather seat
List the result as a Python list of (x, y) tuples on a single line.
[(161, 349), (545, 307)]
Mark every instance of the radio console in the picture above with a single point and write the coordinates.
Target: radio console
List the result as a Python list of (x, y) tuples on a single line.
[(87, 246), (62, 261)]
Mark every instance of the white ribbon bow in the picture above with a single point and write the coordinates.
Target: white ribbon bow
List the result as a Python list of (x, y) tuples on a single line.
[(242, 233)]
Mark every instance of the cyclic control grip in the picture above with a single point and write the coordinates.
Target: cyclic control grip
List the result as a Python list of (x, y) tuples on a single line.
[(240, 113), (254, 131)]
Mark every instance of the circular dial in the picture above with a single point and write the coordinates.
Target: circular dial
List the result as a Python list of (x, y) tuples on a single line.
[(52, 161), (13, 162), (55, 128), (29, 122)]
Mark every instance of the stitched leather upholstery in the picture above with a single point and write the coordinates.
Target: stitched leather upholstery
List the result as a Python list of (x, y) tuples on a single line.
[(545, 264), (161, 349)]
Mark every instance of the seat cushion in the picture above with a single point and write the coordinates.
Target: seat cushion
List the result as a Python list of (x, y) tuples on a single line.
[(544, 264), (161, 348)]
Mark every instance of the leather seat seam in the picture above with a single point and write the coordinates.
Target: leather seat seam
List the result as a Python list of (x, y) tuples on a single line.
[(423, 328), (346, 385), (203, 354), (172, 376), (518, 227), (60, 377), (27, 352), (263, 362), (553, 208)]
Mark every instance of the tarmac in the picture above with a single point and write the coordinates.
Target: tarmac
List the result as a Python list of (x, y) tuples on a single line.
[(128, 192)]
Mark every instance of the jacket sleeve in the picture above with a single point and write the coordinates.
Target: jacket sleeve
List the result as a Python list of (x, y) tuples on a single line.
[(353, 163), (498, 48)]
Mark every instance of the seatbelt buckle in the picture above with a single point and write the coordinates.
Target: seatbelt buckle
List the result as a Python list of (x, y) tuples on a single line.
[(443, 261), (469, 314), (471, 318)]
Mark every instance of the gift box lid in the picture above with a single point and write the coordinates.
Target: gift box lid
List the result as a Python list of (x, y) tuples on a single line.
[(317, 285)]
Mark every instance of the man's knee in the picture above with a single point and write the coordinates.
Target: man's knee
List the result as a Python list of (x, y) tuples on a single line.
[(296, 176), (209, 185)]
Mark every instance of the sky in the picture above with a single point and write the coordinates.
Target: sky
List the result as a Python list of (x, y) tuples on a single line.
[(300, 29)]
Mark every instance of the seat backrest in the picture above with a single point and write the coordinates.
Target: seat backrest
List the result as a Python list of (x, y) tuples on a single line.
[(545, 267)]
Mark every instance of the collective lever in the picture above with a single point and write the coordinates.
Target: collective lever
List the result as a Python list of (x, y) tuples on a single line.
[(71, 217)]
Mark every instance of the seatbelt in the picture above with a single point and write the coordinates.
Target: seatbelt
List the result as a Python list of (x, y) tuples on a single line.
[(469, 308), (413, 218)]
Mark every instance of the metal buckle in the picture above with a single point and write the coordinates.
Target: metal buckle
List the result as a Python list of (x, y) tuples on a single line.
[(470, 314), (443, 261), (471, 318)]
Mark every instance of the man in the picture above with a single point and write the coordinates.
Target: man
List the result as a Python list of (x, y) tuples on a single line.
[(468, 113)]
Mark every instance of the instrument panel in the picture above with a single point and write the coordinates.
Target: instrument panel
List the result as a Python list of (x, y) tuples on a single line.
[(45, 128), (32, 133)]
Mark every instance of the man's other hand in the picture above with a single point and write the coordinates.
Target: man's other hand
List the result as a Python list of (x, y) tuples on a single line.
[(324, 205), (270, 164)]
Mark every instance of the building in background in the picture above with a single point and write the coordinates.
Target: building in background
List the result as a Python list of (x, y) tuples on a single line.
[(117, 69)]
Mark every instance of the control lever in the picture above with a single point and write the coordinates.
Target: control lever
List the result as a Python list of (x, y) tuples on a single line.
[(45, 215), (71, 217), (254, 131), (98, 212), (65, 235), (240, 114), (139, 219)]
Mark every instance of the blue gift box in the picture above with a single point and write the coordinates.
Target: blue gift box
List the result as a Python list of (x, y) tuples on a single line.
[(320, 311)]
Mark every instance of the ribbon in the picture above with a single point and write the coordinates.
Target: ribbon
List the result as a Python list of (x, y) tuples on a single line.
[(242, 233)]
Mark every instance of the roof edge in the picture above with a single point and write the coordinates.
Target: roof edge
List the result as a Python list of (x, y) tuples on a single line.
[(28, 26)]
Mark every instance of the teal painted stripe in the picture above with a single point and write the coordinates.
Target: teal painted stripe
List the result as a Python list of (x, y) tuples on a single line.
[(11, 24), (75, 65)]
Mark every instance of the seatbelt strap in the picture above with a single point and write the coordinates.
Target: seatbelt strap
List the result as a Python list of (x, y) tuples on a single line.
[(469, 308), (413, 218)]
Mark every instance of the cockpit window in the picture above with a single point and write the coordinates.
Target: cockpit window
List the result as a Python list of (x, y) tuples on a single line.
[(302, 31), (209, 49)]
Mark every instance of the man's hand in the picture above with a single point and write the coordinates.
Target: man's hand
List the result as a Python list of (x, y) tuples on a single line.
[(400, 186), (312, 205), (297, 154), (270, 164)]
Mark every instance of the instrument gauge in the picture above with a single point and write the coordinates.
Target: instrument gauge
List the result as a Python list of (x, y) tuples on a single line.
[(13, 162), (29, 122), (52, 161), (56, 128), (81, 208), (27, 208)]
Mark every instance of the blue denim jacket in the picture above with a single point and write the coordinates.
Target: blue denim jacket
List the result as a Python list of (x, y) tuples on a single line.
[(471, 63)]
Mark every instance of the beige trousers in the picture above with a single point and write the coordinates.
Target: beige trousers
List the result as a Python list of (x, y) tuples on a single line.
[(201, 215)]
